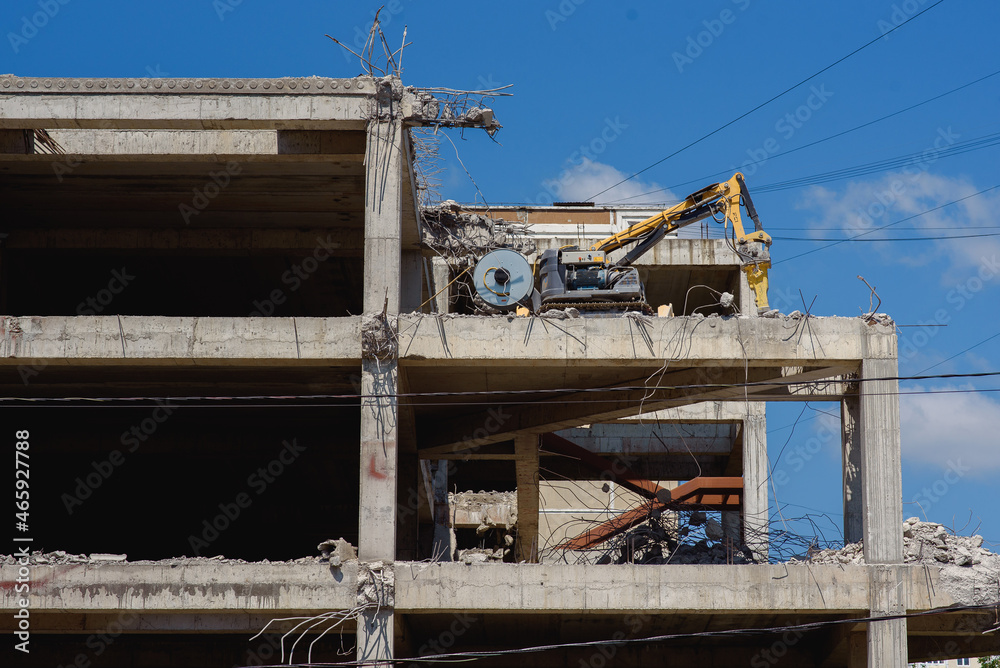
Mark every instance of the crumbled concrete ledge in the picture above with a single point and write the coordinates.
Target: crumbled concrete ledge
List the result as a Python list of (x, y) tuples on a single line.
[(969, 572), (59, 557)]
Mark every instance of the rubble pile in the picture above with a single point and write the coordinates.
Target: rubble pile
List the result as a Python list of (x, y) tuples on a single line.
[(376, 584), (458, 236), (662, 539), (494, 510), (969, 572), (479, 555), (60, 558), (923, 543)]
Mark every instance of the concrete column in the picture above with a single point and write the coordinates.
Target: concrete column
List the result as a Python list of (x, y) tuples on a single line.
[(882, 499), (526, 464), (887, 640), (17, 141), (748, 306), (408, 507), (411, 281), (379, 378), (732, 529), (444, 536), (441, 276), (857, 651), (3, 278), (882, 485), (375, 637), (755, 475), (850, 409)]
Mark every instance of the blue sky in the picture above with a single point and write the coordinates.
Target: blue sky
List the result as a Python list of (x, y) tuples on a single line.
[(634, 81)]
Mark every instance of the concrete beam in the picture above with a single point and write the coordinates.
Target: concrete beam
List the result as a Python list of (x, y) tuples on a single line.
[(335, 145), (237, 241), (204, 585), (575, 409), (512, 342), (211, 104), (197, 585), (655, 439), (160, 340), (707, 412), (223, 621), (559, 588)]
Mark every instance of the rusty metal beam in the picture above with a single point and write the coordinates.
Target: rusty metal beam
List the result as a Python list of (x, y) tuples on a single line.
[(706, 493), (618, 472)]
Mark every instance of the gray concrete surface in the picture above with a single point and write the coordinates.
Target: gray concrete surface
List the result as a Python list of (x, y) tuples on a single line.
[(177, 340)]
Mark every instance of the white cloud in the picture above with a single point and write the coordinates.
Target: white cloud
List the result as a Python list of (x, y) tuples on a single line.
[(583, 181), (942, 428), (863, 205)]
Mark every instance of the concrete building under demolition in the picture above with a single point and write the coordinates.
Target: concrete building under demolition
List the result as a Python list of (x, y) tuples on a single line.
[(231, 328)]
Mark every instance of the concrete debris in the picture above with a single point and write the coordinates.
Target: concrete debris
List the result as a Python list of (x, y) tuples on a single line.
[(795, 314), (638, 316), (726, 299), (376, 584), (480, 555), (460, 236), (488, 510), (880, 318), (60, 558), (713, 530), (969, 572), (561, 314), (378, 337), (57, 557), (773, 313), (453, 108), (702, 552), (337, 551), (108, 558), (669, 538)]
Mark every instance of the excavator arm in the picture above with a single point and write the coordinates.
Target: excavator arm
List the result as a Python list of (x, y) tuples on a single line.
[(719, 198)]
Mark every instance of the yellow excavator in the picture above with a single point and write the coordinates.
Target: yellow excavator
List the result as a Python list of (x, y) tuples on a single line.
[(588, 280)]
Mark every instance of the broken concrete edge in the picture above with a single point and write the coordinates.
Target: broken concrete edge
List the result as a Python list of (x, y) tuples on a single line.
[(415, 106), (313, 85)]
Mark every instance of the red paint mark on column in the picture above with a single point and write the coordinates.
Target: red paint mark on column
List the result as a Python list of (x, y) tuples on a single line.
[(374, 472)]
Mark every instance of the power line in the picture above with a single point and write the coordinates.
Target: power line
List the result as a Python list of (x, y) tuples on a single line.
[(943, 238), (618, 642), (493, 393), (111, 402), (976, 345), (814, 143), (767, 102), (977, 144), (901, 220), (930, 227)]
